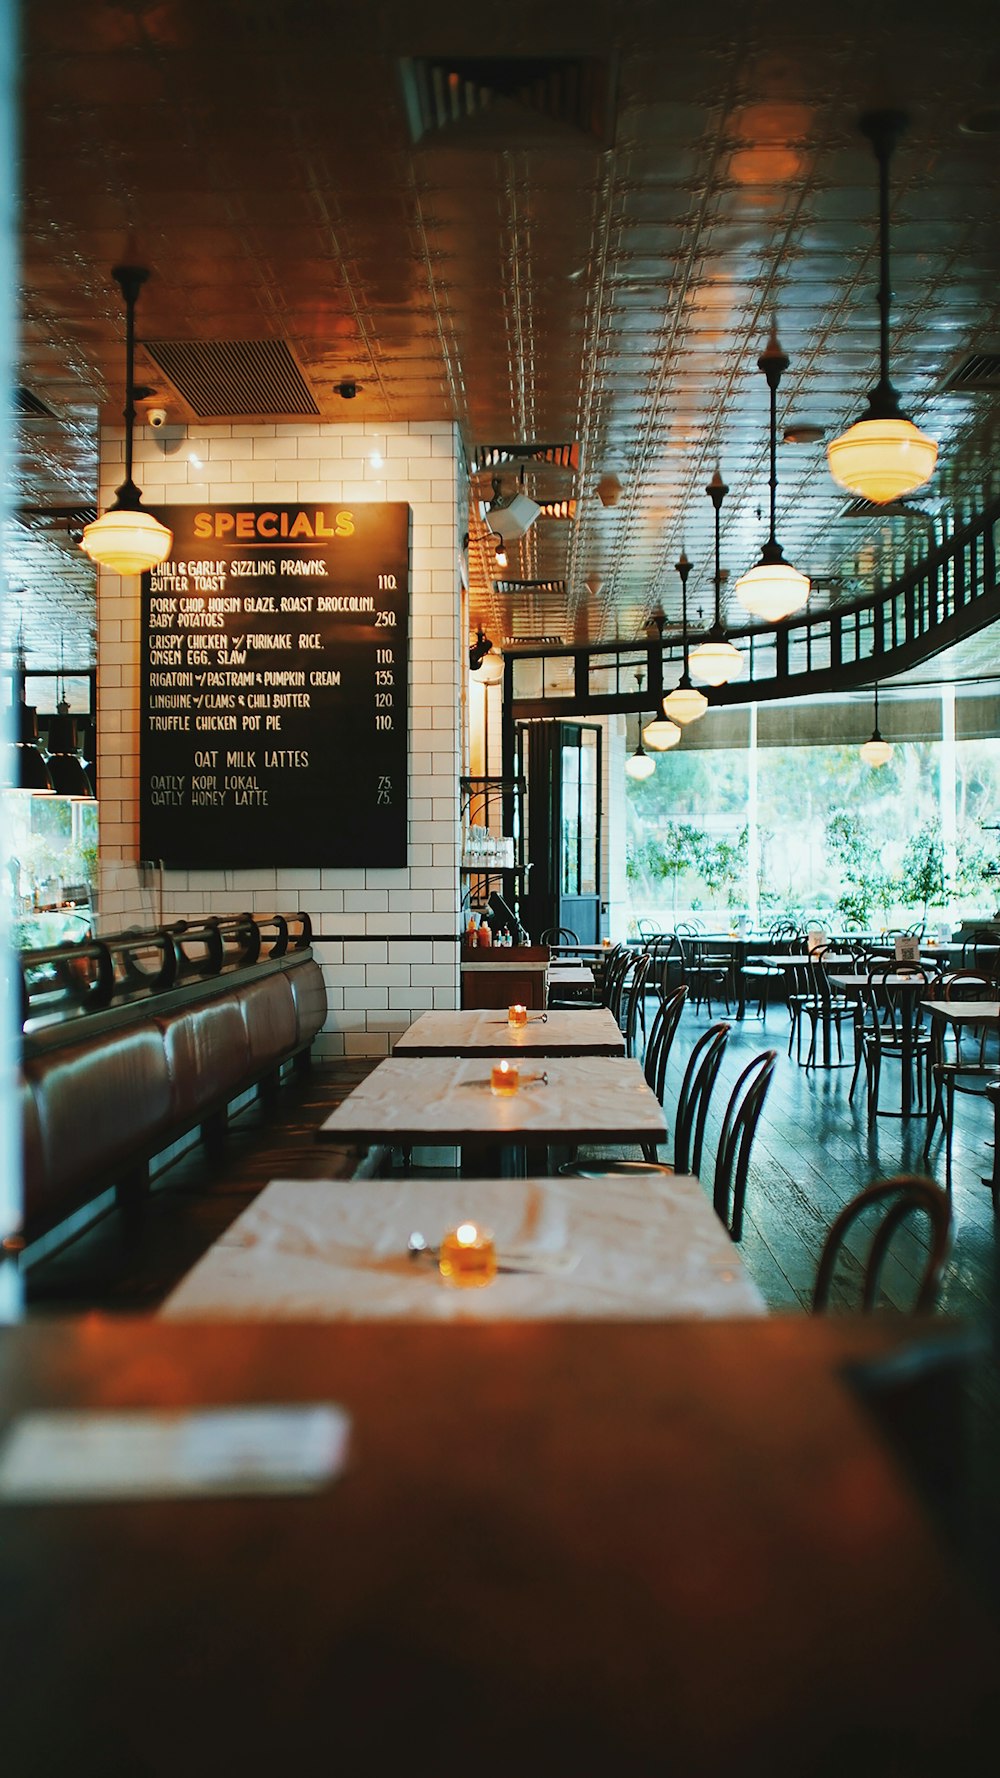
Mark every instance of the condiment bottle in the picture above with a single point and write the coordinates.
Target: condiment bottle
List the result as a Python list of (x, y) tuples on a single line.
[(484, 936)]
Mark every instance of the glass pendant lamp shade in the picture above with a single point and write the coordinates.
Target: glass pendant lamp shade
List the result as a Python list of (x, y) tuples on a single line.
[(715, 660), (685, 703), (659, 735), (882, 459), (883, 456), (773, 590), (127, 539), (491, 670), (876, 752), (639, 765), (126, 542)]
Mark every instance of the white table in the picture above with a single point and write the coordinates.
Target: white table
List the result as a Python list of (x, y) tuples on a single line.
[(649, 1246), (484, 1031), (434, 1101)]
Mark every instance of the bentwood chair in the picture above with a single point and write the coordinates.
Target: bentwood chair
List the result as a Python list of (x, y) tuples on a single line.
[(693, 1099), (957, 1074), (739, 1126), (899, 1197), (892, 1028)]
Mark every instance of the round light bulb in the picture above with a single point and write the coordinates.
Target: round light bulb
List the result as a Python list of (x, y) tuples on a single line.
[(716, 662), (685, 704), (490, 669), (773, 590), (882, 459), (660, 734)]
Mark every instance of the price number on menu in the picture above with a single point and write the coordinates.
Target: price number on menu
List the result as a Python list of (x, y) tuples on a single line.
[(384, 679)]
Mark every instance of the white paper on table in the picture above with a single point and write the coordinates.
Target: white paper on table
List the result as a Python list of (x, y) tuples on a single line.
[(146, 1454)]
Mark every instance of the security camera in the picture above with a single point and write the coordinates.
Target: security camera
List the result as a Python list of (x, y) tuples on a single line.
[(347, 389), (157, 416)]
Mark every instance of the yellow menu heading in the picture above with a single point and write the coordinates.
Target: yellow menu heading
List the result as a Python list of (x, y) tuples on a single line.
[(243, 526)]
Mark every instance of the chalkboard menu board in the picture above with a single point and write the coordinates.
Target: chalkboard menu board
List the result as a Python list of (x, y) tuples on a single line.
[(274, 687)]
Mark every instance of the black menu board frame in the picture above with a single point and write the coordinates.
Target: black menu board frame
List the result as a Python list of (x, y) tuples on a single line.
[(274, 687)]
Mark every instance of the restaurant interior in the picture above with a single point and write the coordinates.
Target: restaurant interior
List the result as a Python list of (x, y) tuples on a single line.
[(499, 1070)]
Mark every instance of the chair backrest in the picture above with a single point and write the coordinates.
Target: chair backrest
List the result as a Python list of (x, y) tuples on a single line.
[(901, 1195), (633, 990), (559, 935), (696, 1091), (739, 1126), (613, 981), (666, 960), (660, 1040), (967, 984), (888, 1007), (647, 930)]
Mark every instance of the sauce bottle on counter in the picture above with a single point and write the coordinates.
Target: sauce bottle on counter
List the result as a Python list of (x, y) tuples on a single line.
[(484, 936)]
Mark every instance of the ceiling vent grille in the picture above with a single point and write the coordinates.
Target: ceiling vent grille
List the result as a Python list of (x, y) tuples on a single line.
[(494, 458), (29, 406), (533, 608), (979, 373), (516, 98), (558, 509), (218, 378)]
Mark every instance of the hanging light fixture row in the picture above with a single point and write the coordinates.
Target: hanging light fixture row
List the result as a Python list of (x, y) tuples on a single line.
[(127, 539), (883, 456)]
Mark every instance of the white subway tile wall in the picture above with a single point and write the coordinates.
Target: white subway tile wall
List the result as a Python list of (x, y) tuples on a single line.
[(374, 988)]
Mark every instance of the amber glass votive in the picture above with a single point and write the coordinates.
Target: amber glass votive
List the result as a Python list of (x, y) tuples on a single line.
[(517, 1015), (467, 1255), (503, 1079)]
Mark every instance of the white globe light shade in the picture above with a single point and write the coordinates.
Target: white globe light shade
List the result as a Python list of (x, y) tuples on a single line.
[(876, 752), (490, 669), (685, 704), (716, 662), (660, 734), (773, 590), (882, 459), (639, 765), (127, 542)]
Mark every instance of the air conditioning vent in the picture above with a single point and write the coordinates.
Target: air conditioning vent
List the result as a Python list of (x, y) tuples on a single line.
[(495, 458), (218, 378), (514, 99), (533, 641), (979, 373), (29, 406)]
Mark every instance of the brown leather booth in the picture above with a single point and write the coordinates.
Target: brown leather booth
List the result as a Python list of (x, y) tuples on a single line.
[(106, 1092)]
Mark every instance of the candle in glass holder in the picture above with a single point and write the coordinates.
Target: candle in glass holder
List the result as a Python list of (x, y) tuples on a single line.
[(606, 942), (467, 1255), (517, 1015), (503, 1079)]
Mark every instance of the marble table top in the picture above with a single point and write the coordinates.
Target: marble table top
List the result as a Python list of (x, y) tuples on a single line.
[(431, 1100), (646, 1246), (484, 1031), (965, 1012)]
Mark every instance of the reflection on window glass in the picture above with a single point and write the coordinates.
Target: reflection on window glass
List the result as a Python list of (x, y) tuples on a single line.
[(50, 858)]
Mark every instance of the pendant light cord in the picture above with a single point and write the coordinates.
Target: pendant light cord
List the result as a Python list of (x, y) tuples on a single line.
[(130, 279), (717, 492), (883, 129), (684, 568)]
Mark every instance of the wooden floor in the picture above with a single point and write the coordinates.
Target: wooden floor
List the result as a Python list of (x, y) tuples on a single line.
[(812, 1153)]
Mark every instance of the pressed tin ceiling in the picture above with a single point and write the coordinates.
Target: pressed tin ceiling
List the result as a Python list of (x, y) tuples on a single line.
[(572, 223)]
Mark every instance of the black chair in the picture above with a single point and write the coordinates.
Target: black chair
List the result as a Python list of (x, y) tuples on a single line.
[(632, 1005), (739, 1126), (892, 1027), (756, 976), (689, 1125), (956, 1074), (707, 972), (826, 1010), (559, 935), (901, 1195)]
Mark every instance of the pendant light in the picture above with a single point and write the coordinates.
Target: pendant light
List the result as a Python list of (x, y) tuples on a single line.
[(128, 539), (31, 771), (876, 752), (639, 765), (773, 589), (684, 704), (883, 455), (486, 663), (716, 660), (660, 734)]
